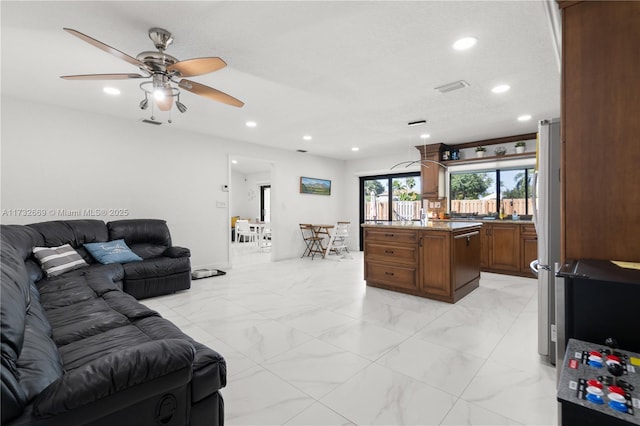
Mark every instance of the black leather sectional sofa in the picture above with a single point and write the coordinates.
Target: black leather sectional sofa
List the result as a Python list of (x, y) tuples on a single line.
[(77, 349)]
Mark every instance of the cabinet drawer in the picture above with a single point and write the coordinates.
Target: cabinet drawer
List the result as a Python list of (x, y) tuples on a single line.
[(390, 235), (528, 229), (391, 275), (392, 253)]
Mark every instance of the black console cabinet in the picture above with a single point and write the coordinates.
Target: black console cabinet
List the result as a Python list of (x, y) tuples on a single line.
[(601, 300)]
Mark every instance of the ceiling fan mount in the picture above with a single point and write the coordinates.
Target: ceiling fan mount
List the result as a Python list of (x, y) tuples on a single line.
[(161, 38), (165, 71)]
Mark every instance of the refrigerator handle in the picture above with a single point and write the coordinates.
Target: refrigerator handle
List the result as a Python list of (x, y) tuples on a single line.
[(534, 267), (534, 188)]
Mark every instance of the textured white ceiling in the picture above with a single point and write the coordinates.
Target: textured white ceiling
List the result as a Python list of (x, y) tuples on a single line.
[(349, 73)]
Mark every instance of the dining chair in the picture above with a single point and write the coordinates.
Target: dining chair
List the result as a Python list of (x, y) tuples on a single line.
[(266, 236), (339, 238), (244, 232), (311, 240)]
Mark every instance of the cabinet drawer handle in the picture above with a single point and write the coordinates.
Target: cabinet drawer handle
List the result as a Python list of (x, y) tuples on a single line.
[(467, 235), (389, 235), (389, 273), (389, 251)]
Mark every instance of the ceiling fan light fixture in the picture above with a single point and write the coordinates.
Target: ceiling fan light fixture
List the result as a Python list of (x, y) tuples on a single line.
[(159, 95)]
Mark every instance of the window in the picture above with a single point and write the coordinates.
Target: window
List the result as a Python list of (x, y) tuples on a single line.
[(486, 192)]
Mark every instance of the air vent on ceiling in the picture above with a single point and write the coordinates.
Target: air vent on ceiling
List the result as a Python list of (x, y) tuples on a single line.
[(152, 122), (460, 84)]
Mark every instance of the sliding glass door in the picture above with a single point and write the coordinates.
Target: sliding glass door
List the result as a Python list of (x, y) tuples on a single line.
[(390, 198)]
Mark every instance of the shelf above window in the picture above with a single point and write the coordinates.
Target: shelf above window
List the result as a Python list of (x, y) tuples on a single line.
[(489, 158)]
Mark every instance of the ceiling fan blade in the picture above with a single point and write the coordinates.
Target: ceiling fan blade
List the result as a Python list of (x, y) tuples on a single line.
[(101, 76), (209, 92), (106, 48), (198, 66)]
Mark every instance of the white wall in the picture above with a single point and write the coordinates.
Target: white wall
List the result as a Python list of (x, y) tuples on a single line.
[(54, 158), (245, 193)]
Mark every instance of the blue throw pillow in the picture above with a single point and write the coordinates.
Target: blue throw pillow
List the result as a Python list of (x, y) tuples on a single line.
[(115, 251)]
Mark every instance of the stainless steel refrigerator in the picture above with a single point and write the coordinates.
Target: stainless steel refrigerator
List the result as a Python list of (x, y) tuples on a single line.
[(546, 218)]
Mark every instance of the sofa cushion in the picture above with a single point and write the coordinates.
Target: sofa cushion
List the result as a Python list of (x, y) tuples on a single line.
[(58, 260), (55, 233), (114, 373), (209, 367), (13, 309), (84, 319), (139, 231), (39, 364), (158, 267), (22, 239), (115, 251)]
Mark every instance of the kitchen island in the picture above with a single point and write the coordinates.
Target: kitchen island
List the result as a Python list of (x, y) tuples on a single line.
[(437, 260)]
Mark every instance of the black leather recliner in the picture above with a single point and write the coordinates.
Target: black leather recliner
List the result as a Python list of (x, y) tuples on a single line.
[(76, 349), (165, 269)]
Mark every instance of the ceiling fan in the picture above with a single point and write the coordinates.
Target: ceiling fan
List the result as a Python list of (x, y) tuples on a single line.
[(164, 70)]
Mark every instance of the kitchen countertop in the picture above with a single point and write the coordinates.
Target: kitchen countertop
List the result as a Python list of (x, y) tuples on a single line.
[(432, 225)]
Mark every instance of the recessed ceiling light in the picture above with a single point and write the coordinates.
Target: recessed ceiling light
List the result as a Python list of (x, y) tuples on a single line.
[(524, 117), (251, 124), (425, 136), (234, 161), (355, 148), (111, 91), (465, 43), (501, 88), (450, 87), (307, 137)]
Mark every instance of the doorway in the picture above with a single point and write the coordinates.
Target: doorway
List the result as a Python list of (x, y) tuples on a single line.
[(265, 203), (250, 200)]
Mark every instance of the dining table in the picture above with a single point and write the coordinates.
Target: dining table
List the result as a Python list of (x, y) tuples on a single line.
[(322, 231)]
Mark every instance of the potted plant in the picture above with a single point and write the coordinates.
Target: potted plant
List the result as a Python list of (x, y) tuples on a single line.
[(501, 150), (520, 147), (480, 151)]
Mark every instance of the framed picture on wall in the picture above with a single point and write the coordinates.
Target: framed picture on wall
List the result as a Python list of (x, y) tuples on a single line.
[(315, 186)]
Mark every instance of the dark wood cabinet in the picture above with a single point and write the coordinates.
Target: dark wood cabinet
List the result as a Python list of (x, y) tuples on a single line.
[(504, 247), (508, 248), (391, 257), (432, 174), (435, 259), (441, 265), (600, 98), (484, 246)]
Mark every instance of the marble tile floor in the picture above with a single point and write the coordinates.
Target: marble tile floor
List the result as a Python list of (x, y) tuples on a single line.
[(307, 343)]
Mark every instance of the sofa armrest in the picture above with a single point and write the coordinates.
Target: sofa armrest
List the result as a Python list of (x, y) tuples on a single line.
[(115, 373), (176, 251)]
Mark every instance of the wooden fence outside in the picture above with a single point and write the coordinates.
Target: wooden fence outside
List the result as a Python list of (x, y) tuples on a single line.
[(410, 210), (489, 206)]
